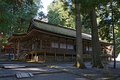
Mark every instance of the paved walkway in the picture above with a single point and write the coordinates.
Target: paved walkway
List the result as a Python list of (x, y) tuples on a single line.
[(91, 73), (56, 71)]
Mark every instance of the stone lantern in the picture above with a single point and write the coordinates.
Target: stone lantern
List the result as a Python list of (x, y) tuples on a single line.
[(105, 62)]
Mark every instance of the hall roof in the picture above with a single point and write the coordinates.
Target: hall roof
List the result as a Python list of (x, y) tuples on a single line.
[(37, 25), (58, 29)]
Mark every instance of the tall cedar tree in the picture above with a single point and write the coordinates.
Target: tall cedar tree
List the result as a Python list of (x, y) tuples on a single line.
[(90, 6), (95, 41), (79, 50)]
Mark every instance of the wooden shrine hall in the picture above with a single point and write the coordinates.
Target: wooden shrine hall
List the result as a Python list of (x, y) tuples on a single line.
[(47, 42)]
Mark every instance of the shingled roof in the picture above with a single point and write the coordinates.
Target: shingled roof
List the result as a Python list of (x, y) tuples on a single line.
[(58, 29)]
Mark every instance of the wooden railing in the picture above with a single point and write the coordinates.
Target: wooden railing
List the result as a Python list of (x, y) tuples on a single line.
[(87, 56), (57, 51)]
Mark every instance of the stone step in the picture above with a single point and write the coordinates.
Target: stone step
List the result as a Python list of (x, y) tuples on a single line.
[(24, 75)]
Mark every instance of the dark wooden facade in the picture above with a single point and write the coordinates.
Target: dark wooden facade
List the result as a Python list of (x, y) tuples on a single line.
[(48, 42)]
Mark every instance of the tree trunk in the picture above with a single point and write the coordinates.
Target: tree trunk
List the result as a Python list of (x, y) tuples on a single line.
[(95, 41), (79, 57)]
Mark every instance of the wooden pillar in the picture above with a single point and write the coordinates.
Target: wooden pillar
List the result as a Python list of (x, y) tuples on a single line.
[(36, 57), (74, 46), (66, 46), (44, 56), (32, 58), (50, 43), (31, 45), (59, 44), (55, 57), (64, 57), (88, 47), (18, 49), (40, 44), (72, 57), (83, 46), (46, 45), (14, 51)]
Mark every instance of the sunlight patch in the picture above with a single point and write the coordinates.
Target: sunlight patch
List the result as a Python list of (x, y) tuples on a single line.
[(9, 66)]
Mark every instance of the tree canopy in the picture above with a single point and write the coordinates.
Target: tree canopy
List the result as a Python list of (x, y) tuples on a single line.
[(58, 15), (16, 15)]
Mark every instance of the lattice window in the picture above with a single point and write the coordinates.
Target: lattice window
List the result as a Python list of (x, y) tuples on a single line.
[(43, 44), (70, 46), (87, 48), (90, 48), (54, 45), (63, 45), (48, 44)]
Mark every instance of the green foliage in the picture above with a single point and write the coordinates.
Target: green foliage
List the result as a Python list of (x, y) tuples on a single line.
[(86, 25), (105, 24), (22, 15), (91, 3), (41, 15), (103, 14), (4, 17), (58, 15), (63, 13), (16, 15)]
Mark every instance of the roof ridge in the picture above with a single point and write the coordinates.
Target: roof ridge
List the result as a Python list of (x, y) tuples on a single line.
[(53, 24)]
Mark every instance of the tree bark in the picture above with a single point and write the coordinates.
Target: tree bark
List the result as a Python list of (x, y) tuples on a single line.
[(79, 51), (95, 41)]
